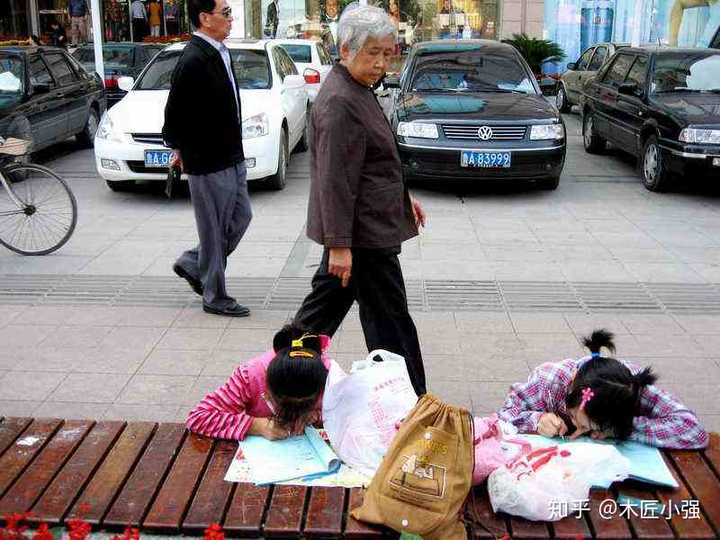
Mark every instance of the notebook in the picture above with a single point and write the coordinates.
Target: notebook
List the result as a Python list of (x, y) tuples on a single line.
[(646, 462), (304, 457)]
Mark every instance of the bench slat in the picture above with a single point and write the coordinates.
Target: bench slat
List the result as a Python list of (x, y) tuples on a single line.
[(57, 498), (23, 494), (702, 483), (645, 528), (491, 525), (212, 496), (284, 517), (354, 529), (610, 527), (179, 487), (712, 452), (100, 492), (325, 512), (245, 515), (10, 429), (134, 499), (524, 529), (695, 529), (570, 528), (24, 449)]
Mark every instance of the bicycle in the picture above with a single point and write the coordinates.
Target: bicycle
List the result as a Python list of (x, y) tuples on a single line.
[(38, 211)]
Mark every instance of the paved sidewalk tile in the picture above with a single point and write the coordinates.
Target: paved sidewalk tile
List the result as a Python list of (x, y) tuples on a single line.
[(203, 339), (90, 388), (17, 407), (31, 386), (71, 411)]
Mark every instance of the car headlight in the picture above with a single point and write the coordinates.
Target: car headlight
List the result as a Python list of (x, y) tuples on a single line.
[(417, 129), (255, 126), (545, 132), (106, 130), (700, 136)]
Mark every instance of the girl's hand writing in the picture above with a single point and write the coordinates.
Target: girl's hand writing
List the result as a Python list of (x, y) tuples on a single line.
[(551, 425)]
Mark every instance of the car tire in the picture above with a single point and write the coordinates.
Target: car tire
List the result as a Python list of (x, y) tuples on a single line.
[(655, 174), (549, 184), (121, 186), (86, 137), (278, 180), (593, 143), (561, 100), (304, 143)]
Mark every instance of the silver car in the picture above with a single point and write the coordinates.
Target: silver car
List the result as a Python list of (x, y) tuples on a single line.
[(578, 73)]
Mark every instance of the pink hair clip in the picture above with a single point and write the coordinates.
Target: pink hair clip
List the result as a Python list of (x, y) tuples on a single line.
[(587, 395)]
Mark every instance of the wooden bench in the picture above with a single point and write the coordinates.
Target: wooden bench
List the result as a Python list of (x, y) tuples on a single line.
[(163, 479)]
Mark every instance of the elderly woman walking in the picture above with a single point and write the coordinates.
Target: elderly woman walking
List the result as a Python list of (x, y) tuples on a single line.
[(360, 209)]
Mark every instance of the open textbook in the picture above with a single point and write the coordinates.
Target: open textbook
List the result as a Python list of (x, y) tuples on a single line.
[(646, 462), (303, 460)]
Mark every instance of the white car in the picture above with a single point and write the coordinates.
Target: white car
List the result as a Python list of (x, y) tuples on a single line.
[(274, 104), (312, 60)]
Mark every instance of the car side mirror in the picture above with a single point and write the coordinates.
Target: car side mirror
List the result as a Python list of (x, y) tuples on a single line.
[(629, 89), (125, 83), (391, 81), (293, 82), (572, 66), (41, 88)]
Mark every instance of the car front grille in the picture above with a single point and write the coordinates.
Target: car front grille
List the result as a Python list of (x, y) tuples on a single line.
[(470, 132), (140, 168), (148, 138)]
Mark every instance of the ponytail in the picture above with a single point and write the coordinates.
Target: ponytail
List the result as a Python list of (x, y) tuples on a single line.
[(293, 332), (599, 339), (644, 378)]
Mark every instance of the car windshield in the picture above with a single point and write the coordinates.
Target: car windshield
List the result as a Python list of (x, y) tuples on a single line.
[(471, 71), (120, 55), (11, 80), (252, 70), (686, 72), (299, 53)]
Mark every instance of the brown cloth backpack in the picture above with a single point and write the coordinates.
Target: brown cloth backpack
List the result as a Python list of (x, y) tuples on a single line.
[(425, 477)]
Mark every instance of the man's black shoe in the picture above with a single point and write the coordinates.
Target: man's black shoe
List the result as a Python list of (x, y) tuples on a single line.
[(236, 310), (196, 284)]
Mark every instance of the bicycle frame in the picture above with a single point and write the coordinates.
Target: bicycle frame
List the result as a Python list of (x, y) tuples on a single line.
[(13, 197)]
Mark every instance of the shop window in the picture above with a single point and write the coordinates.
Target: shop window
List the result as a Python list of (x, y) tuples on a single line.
[(14, 18)]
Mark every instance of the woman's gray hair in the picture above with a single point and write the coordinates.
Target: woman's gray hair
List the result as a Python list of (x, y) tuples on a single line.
[(358, 23)]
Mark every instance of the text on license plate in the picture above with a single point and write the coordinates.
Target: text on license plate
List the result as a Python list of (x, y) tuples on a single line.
[(157, 158), (485, 160)]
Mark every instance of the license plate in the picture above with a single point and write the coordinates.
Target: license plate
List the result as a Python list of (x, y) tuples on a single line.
[(158, 158), (485, 160)]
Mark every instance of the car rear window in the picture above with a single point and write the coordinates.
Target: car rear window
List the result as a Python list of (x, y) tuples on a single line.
[(686, 72), (252, 70), (472, 71), (299, 53), (12, 80), (120, 55)]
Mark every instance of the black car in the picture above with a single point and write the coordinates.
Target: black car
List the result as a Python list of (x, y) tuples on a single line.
[(661, 105), (120, 60), (46, 97), (473, 110)]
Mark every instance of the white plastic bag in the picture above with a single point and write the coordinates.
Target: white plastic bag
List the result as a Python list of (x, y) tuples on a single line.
[(547, 483), (362, 410)]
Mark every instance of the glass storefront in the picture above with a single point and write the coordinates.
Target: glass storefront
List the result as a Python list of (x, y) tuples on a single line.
[(14, 20)]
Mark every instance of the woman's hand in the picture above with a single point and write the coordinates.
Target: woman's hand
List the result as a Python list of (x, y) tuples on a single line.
[(266, 427), (551, 425)]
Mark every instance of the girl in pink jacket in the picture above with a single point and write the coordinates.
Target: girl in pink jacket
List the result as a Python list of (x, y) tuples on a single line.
[(274, 395)]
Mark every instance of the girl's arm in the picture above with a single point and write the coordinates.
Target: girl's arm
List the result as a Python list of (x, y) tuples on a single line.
[(667, 423), (221, 413)]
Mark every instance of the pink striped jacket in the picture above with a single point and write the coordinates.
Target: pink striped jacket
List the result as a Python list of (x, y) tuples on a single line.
[(228, 412)]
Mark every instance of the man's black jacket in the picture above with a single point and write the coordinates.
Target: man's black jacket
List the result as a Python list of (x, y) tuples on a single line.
[(201, 116)]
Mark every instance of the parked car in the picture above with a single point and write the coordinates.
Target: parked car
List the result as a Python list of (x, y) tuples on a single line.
[(661, 105), (274, 102), (570, 86), (46, 97), (120, 60), (312, 60), (472, 109)]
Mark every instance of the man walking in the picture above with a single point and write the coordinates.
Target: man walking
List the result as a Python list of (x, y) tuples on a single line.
[(77, 9), (360, 209), (139, 20), (272, 19), (203, 126)]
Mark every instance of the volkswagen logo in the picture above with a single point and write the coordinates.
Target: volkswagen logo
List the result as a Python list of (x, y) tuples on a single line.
[(485, 133)]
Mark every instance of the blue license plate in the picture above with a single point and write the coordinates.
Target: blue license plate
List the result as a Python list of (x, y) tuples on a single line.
[(158, 158), (485, 160)]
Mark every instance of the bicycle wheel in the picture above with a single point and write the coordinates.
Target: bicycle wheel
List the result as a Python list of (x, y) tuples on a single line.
[(47, 213)]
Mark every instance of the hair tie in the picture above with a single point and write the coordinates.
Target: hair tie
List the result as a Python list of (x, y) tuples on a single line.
[(301, 354), (297, 343), (587, 395), (595, 355)]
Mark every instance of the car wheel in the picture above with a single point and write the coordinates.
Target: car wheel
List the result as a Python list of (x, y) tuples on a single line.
[(277, 181), (86, 137), (549, 184), (561, 101), (655, 175), (121, 186), (593, 143), (304, 144)]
